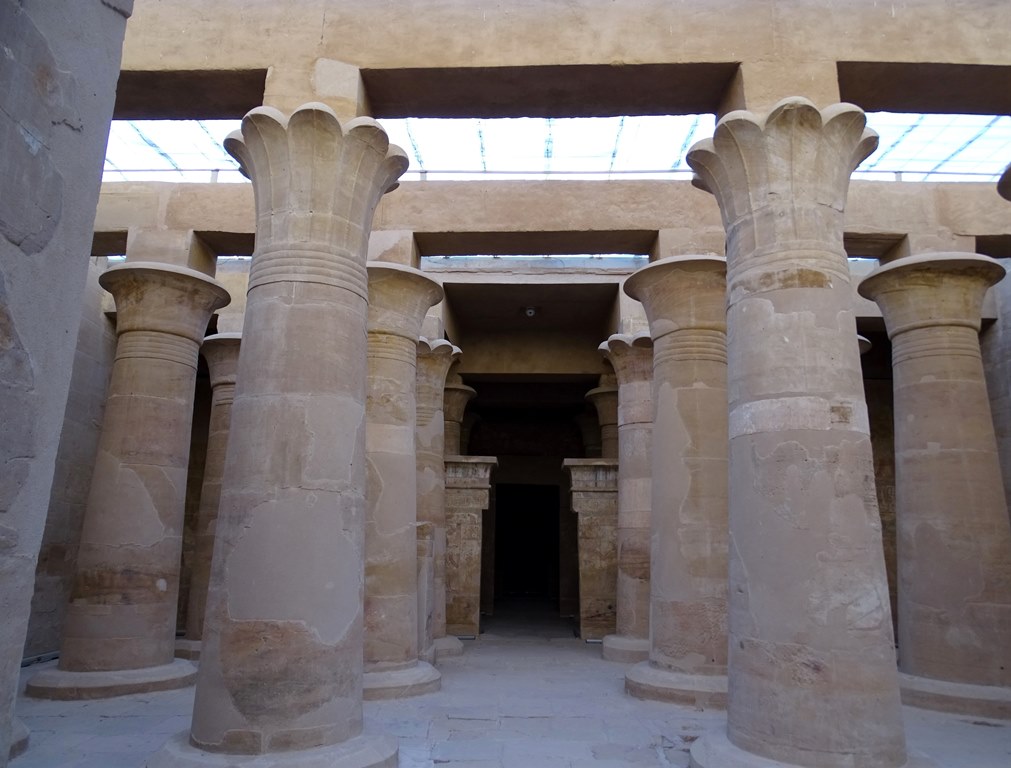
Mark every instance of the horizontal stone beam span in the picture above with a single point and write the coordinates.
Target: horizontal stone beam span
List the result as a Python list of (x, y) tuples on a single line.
[(195, 94), (194, 34), (972, 89), (574, 90), (455, 218)]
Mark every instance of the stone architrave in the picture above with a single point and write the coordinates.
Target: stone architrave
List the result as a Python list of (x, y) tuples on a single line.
[(954, 540), (631, 356), (811, 652), (280, 681), (434, 360), (399, 298), (119, 634), (468, 482), (685, 301), (605, 399), (221, 352), (457, 395), (594, 491)]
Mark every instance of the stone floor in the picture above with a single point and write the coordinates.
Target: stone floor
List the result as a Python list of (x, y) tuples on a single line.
[(527, 694)]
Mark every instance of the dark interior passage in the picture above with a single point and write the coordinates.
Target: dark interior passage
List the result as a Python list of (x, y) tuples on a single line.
[(526, 543)]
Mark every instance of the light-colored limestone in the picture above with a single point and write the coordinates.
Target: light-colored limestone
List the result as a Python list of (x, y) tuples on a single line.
[(457, 395), (399, 298), (122, 611), (632, 360), (809, 623), (685, 300), (594, 492), (954, 539), (434, 361), (468, 480), (221, 352), (281, 662), (605, 400)]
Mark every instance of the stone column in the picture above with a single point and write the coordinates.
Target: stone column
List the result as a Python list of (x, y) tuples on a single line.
[(468, 480), (954, 540), (119, 633), (632, 360), (399, 297), (434, 360), (594, 490), (221, 352), (684, 298), (281, 663), (811, 653), (589, 428), (457, 396), (605, 400)]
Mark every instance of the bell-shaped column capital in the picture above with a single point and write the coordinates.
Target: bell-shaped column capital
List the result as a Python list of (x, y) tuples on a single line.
[(435, 356), (457, 396), (631, 356), (221, 351), (163, 298), (316, 185), (682, 292), (786, 173), (399, 298), (936, 289), (1004, 184)]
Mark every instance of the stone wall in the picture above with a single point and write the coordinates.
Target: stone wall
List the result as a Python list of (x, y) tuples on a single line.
[(57, 87)]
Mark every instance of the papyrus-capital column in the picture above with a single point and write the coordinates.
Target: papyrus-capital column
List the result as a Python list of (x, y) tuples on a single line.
[(282, 656), (605, 400), (221, 352), (684, 299), (954, 541), (435, 357), (632, 360), (399, 297), (457, 396), (119, 635), (809, 622)]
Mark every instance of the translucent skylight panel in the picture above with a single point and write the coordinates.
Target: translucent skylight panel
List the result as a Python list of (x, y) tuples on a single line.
[(516, 144), (446, 144), (583, 144)]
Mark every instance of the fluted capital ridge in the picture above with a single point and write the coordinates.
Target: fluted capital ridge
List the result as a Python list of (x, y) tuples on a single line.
[(797, 155), (435, 356), (631, 356), (315, 181)]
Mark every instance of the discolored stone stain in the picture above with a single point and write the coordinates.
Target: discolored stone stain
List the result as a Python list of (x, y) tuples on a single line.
[(279, 670), (781, 279), (127, 586), (16, 370), (29, 76)]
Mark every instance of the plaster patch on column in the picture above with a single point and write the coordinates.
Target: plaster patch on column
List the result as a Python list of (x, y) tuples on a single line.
[(783, 414)]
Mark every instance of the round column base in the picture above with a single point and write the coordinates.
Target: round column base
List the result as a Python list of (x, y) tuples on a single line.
[(415, 680), (627, 650), (19, 738), (64, 685), (956, 698), (188, 649), (447, 646), (714, 750), (646, 681), (359, 752)]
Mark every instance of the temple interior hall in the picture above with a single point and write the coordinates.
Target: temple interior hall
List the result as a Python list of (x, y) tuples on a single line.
[(456, 382)]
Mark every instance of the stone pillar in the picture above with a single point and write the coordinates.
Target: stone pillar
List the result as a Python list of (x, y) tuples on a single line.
[(605, 400), (281, 663), (434, 360), (954, 540), (632, 360), (119, 633), (221, 352), (468, 480), (457, 396), (399, 297), (594, 490), (811, 652), (685, 299), (589, 428)]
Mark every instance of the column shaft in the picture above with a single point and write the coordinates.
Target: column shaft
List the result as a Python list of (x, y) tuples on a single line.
[(809, 623), (122, 610), (954, 540), (684, 301)]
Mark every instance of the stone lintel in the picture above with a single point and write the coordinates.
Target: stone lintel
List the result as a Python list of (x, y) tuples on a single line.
[(181, 247)]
